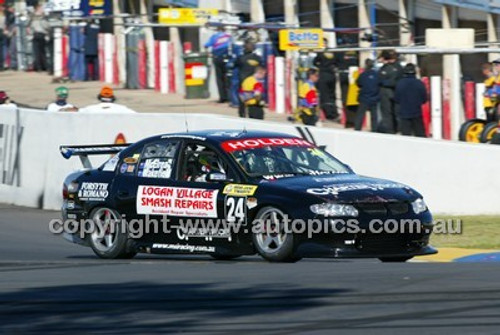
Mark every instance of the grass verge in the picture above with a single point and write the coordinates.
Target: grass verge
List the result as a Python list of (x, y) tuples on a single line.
[(478, 232)]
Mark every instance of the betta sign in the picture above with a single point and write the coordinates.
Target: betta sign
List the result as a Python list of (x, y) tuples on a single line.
[(297, 39)]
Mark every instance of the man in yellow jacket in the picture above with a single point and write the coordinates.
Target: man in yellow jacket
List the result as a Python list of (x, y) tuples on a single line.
[(251, 93)]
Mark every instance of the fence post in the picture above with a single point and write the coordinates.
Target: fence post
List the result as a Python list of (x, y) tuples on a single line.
[(280, 84), (271, 83), (480, 113), (436, 108), (469, 100), (426, 108)]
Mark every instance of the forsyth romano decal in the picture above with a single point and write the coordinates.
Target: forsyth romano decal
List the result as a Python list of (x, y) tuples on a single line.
[(93, 191), (254, 143), (177, 201), (336, 189)]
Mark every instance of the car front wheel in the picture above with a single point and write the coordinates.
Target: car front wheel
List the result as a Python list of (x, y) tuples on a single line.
[(107, 239), (271, 240)]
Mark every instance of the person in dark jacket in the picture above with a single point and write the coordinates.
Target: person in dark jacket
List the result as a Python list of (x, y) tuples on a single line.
[(246, 64), (411, 94), (389, 75), (369, 96), (91, 32), (326, 64)]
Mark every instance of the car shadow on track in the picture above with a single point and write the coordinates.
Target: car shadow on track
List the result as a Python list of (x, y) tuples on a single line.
[(202, 258), (146, 307)]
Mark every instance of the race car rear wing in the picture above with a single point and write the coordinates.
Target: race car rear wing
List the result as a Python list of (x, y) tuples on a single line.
[(84, 151)]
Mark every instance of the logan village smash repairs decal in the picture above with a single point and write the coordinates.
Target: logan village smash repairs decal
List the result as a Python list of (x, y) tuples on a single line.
[(177, 201)]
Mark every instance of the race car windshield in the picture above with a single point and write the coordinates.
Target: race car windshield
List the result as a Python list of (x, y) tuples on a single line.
[(287, 160)]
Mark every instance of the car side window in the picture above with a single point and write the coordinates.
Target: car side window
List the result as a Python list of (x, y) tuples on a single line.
[(157, 160), (129, 160), (198, 160)]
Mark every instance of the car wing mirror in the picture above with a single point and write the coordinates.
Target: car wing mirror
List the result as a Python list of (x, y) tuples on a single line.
[(217, 177)]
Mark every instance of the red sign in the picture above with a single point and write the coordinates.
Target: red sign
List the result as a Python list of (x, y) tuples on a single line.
[(255, 143)]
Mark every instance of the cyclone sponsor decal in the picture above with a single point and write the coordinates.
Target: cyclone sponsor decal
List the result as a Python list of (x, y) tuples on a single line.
[(177, 201), (336, 189)]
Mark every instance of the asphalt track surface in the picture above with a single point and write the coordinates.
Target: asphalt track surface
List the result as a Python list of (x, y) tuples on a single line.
[(48, 285)]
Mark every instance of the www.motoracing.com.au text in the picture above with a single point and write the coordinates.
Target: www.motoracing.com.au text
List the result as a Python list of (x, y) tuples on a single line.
[(213, 228)]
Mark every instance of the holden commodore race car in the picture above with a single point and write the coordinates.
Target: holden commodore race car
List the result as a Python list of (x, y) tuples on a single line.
[(235, 193)]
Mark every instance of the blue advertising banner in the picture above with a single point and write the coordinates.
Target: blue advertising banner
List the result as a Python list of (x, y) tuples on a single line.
[(81, 7), (96, 7)]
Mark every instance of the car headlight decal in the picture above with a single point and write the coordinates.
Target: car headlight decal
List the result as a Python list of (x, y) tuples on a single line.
[(419, 206), (331, 209)]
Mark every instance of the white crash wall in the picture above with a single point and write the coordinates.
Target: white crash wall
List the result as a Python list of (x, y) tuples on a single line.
[(455, 178)]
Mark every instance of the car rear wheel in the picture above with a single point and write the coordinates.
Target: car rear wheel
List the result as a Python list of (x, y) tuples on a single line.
[(488, 132), (394, 259), (271, 240), (471, 130), (107, 239)]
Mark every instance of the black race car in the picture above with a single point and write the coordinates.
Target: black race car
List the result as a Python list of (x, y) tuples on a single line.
[(234, 193)]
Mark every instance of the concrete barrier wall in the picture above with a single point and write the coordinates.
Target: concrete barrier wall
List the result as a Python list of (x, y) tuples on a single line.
[(455, 178)]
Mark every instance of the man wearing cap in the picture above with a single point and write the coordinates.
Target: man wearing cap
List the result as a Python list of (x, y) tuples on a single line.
[(107, 104), (61, 104), (411, 94), (369, 96)]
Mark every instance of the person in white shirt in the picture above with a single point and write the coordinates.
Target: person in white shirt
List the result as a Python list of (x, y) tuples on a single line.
[(61, 104), (5, 101), (107, 104)]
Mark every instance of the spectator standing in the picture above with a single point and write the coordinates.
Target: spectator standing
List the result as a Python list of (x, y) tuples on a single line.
[(369, 96), (40, 29), (219, 44), (251, 93), (246, 64), (389, 75), (308, 99), (10, 33), (3, 37), (327, 64), (91, 32), (411, 94)]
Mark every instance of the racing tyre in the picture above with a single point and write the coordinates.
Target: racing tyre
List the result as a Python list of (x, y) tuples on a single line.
[(394, 259), (488, 132), (270, 238), (471, 130), (107, 240)]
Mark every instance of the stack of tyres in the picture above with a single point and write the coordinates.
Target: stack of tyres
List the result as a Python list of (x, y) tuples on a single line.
[(197, 75)]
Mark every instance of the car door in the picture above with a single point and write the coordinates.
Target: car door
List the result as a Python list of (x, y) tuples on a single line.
[(144, 180), (218, 213)]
